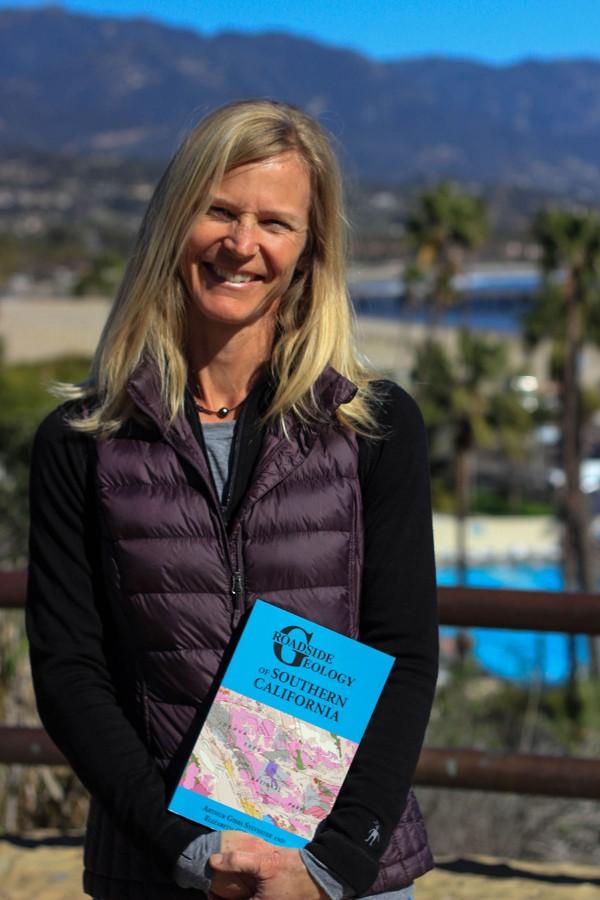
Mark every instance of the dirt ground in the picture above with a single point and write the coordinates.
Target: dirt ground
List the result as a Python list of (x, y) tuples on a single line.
[(50, 869)]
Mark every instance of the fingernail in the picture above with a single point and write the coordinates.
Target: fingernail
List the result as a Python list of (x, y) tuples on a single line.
[(217, 859)]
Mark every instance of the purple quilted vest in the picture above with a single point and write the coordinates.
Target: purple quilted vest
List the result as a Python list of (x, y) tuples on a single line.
[(176, 573)]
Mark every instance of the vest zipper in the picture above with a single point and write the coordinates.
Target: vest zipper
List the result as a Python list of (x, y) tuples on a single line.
[(237, 591), (234, 460), (237, 580)]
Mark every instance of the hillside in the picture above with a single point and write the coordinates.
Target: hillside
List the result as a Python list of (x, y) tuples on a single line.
[(76, 83)]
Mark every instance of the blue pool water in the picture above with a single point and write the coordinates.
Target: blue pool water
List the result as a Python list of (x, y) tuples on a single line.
[(518, 654)]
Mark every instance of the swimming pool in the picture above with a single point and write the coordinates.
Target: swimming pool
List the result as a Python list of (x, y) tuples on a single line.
[(518, 654)]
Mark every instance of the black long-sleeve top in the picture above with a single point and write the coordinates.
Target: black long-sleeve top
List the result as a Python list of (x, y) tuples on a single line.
[(68, 639)]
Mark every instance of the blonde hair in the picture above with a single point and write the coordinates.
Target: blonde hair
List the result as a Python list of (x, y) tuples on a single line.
[(314, 327)]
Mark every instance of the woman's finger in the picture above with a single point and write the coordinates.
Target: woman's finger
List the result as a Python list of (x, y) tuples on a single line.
[(232, 885), (212, 896)]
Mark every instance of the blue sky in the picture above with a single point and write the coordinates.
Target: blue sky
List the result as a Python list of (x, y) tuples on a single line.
[(498, 31)]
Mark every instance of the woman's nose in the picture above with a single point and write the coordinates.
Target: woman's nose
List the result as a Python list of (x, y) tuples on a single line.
[(241, 238)]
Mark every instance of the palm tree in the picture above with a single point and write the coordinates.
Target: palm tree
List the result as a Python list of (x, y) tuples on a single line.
[(567, 310), (466, 407), (444, 225)]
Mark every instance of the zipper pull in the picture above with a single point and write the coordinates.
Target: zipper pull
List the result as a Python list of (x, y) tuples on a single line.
[(237, 590)]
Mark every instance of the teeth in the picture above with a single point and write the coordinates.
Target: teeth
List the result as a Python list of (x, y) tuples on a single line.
[(233, 277)]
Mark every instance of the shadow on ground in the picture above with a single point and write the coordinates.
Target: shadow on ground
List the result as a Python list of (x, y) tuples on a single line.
[(48, 867), (504, 870)]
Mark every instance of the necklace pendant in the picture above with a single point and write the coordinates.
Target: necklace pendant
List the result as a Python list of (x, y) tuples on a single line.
[(223, 411)]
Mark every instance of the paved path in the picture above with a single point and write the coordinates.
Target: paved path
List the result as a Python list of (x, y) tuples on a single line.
[(35, 328), (43, 871), (498, 538)]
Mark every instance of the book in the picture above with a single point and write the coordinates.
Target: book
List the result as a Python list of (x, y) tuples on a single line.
[(282, 730)]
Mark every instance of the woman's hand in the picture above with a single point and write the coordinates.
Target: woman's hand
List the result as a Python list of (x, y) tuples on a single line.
[(274, 875), (241, 840), (236, 885)]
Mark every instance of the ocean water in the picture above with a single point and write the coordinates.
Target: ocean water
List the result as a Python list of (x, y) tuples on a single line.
[(518, 655), (496, 301), (504, 315)]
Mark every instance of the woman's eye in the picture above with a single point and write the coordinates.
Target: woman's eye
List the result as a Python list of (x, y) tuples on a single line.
[(276, 225), (219, 212)]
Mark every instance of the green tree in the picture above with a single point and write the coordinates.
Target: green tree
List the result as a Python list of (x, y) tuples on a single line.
[(24, 400), (9, 255), (102, 275), (39, 795), (567, 310), (466, 407), (444, 225)]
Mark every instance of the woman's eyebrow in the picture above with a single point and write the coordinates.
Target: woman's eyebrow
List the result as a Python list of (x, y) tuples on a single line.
[(220, 201)]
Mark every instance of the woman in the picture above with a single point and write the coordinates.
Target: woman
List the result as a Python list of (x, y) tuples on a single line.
[(230, 445)]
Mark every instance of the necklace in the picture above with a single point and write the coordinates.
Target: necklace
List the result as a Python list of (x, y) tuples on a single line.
[(221, 412)]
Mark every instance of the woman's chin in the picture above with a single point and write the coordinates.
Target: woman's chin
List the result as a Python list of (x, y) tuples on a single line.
[(232, 312)]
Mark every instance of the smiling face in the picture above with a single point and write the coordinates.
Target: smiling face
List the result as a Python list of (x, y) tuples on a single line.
[(242, 253)]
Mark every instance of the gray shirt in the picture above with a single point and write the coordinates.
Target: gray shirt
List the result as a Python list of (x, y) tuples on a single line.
[(218, 438)]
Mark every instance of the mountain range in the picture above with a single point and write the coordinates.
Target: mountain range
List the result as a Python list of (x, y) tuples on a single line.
[(76, 84)]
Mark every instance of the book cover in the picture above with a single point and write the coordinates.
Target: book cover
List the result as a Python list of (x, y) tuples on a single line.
[(282, 730)]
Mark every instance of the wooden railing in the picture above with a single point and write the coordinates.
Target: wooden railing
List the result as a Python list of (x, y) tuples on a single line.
[(555, 776)]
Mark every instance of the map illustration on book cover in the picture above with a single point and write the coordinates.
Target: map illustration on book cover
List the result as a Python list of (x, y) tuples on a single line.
[(282, 730)]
